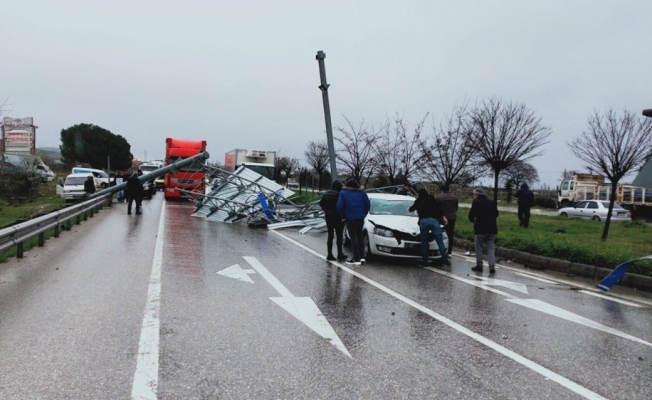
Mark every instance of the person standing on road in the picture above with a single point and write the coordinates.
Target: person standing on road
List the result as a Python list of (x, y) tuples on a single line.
[(483, 214), (334, 224), (134, 191), (449, 204), (525, 202), (431, 216), (353, 206), (89, 185)]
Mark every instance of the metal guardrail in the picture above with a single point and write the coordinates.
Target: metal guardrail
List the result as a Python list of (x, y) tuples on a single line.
[(17, 235)]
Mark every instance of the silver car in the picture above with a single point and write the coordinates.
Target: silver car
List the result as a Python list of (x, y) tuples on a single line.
[(596, 210)]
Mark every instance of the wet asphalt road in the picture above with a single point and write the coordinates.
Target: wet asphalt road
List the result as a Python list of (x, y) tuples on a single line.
[(124, 307)]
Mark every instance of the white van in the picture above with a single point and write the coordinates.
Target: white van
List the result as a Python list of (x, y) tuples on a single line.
[(73, 186), (101, 178)]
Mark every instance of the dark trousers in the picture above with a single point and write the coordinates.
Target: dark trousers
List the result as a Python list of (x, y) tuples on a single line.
[(354, 228), (335, 227), (524, 216), (131, 199), (450, 231)]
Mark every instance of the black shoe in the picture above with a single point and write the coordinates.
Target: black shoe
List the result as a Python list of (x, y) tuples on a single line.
[(477, 269), (446, 261), (492, 270), (425, 263), (362, 261), (128, 212), (330, 257), (138, 213), (353, 262), (341, 257)]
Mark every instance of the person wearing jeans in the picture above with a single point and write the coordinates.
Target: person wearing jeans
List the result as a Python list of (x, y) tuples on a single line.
[(483, 214), (430, 215), (353, 205)]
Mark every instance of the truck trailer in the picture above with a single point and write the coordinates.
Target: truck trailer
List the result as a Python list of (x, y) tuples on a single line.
[(260, 161)]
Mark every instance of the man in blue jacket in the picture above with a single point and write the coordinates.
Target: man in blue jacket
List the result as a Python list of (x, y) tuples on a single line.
[(353, 206)]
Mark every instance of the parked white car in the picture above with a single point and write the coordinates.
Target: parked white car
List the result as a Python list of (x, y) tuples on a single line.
[(596, 210), (73, 186), (391, 230), (100, 177)]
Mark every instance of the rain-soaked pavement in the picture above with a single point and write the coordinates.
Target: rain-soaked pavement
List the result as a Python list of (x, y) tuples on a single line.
[(180, 308)]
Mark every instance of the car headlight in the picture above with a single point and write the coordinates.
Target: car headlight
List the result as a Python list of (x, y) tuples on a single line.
[(383, 232)]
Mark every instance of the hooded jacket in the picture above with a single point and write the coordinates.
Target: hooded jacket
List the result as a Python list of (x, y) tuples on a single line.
[(427, 206), (353, 203), (328, 201), (525, 196)]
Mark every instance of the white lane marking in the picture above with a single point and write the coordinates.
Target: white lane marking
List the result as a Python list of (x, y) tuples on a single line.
[(536, 278), (569, 316), (145, 383), (302, 308), (471, 282), (519, 287), (305, 310), (602, 296), (565, 382), (235, 272)]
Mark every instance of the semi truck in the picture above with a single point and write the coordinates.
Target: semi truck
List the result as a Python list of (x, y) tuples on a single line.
[(260, 161), (190, 179)]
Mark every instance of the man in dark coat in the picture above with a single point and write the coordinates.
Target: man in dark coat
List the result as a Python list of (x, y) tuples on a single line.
[(353, 205), (431, 216), (525, 202), (483, 214), (449, 204), (89, 185), (334, 223), (134, 191), (405, 190)]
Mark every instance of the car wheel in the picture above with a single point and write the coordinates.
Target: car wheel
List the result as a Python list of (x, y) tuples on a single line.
[(367, 247), (596, 218), (564, 215)]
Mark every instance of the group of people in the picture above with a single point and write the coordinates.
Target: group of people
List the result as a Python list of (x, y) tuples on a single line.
[(346, 206), (133, 191)]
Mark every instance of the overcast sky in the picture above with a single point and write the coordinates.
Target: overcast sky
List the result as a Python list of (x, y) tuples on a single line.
[(243, 74)]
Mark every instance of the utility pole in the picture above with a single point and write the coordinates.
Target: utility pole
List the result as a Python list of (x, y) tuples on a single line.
[(327, 113)]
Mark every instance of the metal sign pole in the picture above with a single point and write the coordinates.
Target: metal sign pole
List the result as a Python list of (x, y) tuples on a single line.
[(327, 113)]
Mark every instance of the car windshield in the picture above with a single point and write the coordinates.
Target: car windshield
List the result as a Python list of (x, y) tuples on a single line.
[(75, 180), (391, 207)]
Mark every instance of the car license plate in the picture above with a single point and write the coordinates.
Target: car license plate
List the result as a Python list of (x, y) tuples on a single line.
[(409, 245)]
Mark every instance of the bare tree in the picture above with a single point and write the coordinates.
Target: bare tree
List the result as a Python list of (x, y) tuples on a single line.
[(317, 157), (397, 150), (357, 156), (614, 145), (521, 172), (287, 165), (503, 133), (446, 156)]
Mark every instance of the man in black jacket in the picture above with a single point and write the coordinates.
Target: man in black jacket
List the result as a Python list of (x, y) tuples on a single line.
[(525, 202), (134, 191), (483, 214), (89, 185), (431, 217), (334, 223)]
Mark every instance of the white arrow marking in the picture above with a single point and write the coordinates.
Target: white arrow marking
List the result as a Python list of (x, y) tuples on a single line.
[(235, 272), (306, 311), (302, 308), (569, 316), (519, 287), (602, 296)]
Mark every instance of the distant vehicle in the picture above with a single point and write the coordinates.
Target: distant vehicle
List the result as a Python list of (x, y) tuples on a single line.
[(391, 230), (292, 184), (149, 190), (73, 186), (259, 161), (14, 163), (191, 178), (46, 173), (596, 210), (101, 178)]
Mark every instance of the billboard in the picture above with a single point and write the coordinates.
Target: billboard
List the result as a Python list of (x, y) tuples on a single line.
[(18, 135)]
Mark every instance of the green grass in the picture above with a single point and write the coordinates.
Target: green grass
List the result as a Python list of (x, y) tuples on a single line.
[(46, 201), (571, 239)]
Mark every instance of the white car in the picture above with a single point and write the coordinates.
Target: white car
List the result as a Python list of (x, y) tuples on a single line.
[(596, 210), (391, 230), (73, 186)]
